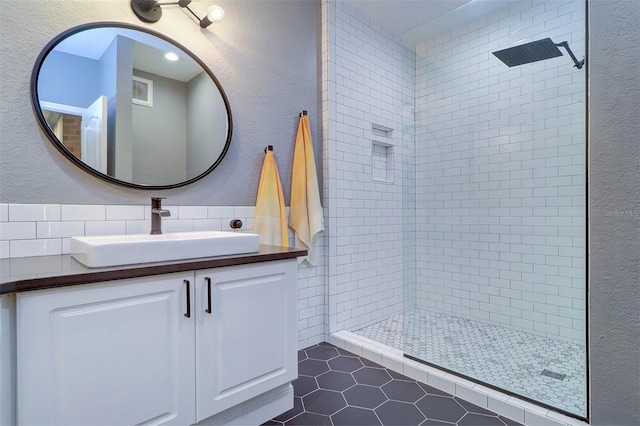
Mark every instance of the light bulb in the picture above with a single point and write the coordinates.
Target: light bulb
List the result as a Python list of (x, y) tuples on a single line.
[(170, 56), (215, 13)]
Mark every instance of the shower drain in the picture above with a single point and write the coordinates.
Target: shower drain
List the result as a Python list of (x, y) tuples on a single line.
[(553, 374)]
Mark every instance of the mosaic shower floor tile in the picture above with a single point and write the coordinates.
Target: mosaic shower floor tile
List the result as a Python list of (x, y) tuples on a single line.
[(540, 368)]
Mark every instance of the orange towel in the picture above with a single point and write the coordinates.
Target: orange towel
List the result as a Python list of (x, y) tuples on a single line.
[(305, 211), (270, 220)]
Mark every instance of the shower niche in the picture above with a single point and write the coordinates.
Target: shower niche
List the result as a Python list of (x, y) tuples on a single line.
[(382, 154)]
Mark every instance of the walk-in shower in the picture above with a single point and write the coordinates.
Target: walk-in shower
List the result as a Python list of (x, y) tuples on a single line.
[(495, 210)]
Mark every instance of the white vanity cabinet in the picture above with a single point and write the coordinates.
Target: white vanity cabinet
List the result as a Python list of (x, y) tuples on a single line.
[(247, 344), (148, 351), (110, 353)]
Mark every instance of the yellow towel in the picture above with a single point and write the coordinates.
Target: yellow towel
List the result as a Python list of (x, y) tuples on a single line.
[(305, 211), (270, 219)]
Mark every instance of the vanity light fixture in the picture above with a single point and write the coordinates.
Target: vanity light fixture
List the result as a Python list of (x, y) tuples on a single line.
[(150, 11)]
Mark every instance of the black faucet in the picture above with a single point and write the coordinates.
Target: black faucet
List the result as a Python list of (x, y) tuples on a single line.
[(157, 213)]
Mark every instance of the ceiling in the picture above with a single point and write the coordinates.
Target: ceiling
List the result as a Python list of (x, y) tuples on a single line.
[(416, 21), (148, 50)]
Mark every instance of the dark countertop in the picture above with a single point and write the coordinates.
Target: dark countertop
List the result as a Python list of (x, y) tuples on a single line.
[(36, 273)]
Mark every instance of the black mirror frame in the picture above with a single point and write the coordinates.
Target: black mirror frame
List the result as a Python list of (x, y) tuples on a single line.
[(35, 103)]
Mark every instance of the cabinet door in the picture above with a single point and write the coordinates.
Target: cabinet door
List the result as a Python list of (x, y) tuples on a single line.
[(247, 344), (112, 353)]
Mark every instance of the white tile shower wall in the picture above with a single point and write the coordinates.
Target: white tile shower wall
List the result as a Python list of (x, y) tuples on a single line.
[(367, 80), (501, 173), (38, 230)]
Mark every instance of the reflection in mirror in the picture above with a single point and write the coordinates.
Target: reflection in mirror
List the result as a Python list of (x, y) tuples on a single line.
[(131, 106)]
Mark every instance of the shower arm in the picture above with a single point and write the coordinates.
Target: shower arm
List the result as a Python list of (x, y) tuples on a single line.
[(578, 64)]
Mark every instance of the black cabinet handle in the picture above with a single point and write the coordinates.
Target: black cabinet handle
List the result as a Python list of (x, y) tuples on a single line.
[(188, 314), (208, 310)]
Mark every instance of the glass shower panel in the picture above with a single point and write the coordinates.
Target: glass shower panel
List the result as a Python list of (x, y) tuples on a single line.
[(498, 294)]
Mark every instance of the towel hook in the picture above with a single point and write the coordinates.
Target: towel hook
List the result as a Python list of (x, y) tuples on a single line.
[(268, 148), (304, 112)]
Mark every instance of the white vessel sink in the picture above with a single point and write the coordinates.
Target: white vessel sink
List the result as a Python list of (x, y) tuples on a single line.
[(113, 250)]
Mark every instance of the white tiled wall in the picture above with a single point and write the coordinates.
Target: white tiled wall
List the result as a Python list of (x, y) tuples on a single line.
[(501, 173), (38, 230), (367, 83)]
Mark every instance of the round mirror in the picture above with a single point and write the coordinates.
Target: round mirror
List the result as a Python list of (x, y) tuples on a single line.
[(131, 106)]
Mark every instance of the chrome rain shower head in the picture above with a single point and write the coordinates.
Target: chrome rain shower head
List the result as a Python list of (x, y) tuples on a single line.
[(533, 52)]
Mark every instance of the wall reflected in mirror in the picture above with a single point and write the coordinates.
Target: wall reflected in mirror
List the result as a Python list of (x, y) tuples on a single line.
[(111, 97)]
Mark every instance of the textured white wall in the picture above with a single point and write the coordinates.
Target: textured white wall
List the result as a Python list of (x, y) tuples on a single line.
[(614, 211), (501, 181), (265, 54), (368, 81)]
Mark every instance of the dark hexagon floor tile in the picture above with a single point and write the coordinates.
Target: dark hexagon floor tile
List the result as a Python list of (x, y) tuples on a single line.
[(365, 396), (431, 422), (368, 363), (307, 419), (304, 385), (432, 391), (472, 419), (353, 416), (346, 353), (345, 363), (322, 353), (403, 391), (302, 355), (271, 423), (296, 410), (399, 376), (335, 380), (393, 413), (372, 376), (324, 402), (473, 408), (441, 408), (312, 367)]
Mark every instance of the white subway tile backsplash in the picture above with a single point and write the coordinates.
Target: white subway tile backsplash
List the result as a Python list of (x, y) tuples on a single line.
[(192, 212), (138, 227), (220, 212), (243, 212), (178, 225), (4, 250), (125, 212), (33, 212), (71, 212), (66, 245), (4, 212), (28, 248), (60, 229), (207, 225), (17, 231), (113, 227)]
